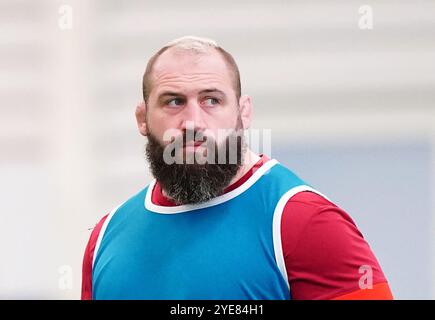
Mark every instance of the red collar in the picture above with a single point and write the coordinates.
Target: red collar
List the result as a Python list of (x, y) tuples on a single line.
[(158, 198)]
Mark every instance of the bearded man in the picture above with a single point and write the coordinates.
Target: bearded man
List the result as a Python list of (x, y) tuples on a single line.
[(220, 221)]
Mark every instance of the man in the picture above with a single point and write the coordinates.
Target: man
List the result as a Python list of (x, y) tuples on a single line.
[(219, 221)]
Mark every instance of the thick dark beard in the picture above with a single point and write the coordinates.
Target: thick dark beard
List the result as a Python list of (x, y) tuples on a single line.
[(194, 183)]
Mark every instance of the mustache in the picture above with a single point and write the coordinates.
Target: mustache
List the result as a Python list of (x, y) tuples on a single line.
[(186, 136)]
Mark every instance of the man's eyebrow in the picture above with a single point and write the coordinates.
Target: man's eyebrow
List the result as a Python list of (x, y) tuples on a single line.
[(178, 94), (215, 90), (169, 93)]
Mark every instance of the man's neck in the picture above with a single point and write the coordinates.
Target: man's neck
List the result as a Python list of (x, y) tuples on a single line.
[(250, 160)]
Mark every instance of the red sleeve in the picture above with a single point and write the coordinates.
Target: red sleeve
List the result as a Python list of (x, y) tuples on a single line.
[(324, 251), (87, 261)]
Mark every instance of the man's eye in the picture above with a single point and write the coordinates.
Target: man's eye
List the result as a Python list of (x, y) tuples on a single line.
[(174, 102), (211, 101)]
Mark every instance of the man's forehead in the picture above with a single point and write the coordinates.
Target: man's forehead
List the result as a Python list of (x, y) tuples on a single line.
[(190, 66)]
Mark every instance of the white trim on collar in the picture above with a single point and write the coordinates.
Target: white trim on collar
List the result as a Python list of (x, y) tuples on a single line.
[(101, 233), (215, 201)]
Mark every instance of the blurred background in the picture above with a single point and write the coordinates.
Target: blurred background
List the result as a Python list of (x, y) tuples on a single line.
[(350, 101)]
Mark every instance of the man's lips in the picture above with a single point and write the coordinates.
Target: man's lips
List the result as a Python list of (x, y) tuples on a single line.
[(193, 144)]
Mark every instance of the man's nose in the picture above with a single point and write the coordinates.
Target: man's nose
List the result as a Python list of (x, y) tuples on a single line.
[(192, 117)]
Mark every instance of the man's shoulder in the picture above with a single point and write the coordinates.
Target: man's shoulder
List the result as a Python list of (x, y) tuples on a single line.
[(312, 199), (282, 170), (307, 204), (277, 177), (307, 211), (299, 210), (134, 201)]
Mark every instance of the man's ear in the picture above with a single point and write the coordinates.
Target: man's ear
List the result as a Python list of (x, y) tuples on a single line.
[(245, 103), (141, 110)]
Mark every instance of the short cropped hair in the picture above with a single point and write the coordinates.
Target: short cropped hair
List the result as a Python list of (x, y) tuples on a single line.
[(195, 45)]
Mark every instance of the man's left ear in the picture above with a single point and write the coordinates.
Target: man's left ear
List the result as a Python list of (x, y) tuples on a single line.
[(245, 103)]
